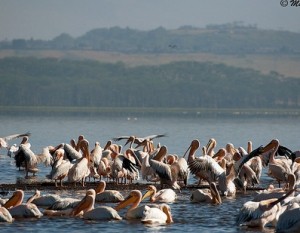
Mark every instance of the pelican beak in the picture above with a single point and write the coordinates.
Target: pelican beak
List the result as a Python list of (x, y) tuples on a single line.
[(148, 194), (13, 201), (129, 140), (81, 206), (187, 150), (128, 200), (99, 188), (216, 195), (268, 204), (269, 146)]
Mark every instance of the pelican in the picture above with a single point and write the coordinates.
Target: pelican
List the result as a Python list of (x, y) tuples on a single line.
[(60, 167), (122, 167), (66, 203), (86, 205), (161, 215), (96, 154), (26, 155), (81, 169), (135, 211), (213, 197), (289, 220), (133, 139), (258, 214), (163, 170), (278, 169), (103, 195), (104, 168), (210, 146), (44, 200), (4, 140), (163, 195), (19, 210), (206, 167)]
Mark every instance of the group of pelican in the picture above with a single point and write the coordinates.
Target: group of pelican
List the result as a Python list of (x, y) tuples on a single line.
[(226, 171), (86, 208)]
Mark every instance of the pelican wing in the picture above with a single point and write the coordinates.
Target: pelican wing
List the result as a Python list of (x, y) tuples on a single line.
[(162, 170), (102, 213), (151, 137), (238, 165), (126, 163), (205, 163), (71, 153), (14, 136), (120, 138)]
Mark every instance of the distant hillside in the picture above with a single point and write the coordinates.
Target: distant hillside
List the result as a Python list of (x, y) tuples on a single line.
[(232, 44), (217, 39), (56, 82)]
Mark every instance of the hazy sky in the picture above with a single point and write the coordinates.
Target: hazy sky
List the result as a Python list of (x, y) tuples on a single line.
[(46, 19)]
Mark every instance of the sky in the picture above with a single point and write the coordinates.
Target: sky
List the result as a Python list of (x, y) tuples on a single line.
[(46, 19)]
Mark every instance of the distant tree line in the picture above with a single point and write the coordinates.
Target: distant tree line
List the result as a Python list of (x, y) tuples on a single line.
[(232, 38), (54, 82)]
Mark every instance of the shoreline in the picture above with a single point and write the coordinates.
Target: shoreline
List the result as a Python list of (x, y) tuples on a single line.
[(44, 185)]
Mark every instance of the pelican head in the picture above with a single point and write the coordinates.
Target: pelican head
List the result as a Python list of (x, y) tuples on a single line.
[(270, 146), (15, 200), (167, 210), (151, 191), (133, 197), (86, 204), (193, 147), (101, 187)]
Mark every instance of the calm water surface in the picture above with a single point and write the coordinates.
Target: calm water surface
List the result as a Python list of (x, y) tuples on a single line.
[(180, 132)]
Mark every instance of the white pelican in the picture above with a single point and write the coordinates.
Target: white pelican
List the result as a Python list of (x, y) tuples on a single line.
[(163, 195), (258, 214), (66, 203), (161, 215), (135, 211), (26, 155), (278, 168), (213, 196), (137, 140), (210, 146), (17, 209), (104, 168), (4, 140), (289, 220), (86, 205), (205, 167), (96, 154), (45, 200), (122, 168), (60, 167), (103, 195), (81, 169), (165, 172)]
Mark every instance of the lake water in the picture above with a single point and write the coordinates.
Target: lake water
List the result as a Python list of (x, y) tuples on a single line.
[(180, 132)]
